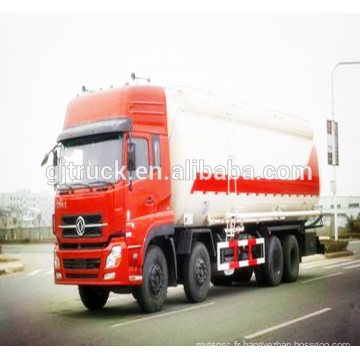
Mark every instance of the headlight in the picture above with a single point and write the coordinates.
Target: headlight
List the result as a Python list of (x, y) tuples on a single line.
[(114, 258), (56, 260)]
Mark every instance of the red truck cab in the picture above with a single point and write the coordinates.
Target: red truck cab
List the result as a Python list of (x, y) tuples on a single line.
[(103, 227)]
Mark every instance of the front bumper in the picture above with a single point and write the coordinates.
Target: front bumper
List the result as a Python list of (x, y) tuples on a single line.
[(87, 267)]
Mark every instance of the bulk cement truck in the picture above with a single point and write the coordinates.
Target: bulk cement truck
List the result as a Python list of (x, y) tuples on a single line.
[(176, 222)]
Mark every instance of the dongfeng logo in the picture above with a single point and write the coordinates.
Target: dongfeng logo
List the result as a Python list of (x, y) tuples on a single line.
[(80, 226)]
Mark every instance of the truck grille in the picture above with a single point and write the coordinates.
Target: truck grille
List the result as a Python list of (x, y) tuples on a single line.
[(68, 226), (83, 246), (81, 264)]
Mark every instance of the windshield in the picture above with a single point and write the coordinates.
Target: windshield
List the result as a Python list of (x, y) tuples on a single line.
[(90, 160)]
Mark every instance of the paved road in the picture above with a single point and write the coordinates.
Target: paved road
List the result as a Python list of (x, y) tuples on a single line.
[(322, 306)]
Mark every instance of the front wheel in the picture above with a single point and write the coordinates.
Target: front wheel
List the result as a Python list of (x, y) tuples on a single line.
[(94, 297), (151, 294), (197, 273), (134, 293)]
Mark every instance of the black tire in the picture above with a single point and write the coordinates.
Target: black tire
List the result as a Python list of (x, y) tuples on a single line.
[(222, 280), (274, 262), (291, 255), (151, 294), (197, 273), (243, 275), (134, 292), (94, 297)]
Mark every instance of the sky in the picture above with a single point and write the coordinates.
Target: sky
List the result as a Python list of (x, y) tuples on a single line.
[(279, 61)]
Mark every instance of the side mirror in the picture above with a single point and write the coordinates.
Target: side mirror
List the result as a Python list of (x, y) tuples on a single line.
[(46, 157), (131, 166)]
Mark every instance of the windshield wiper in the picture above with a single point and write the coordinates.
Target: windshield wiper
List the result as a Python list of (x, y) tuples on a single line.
[(68, 186), (101, 182), (81, 184), (78, 184)]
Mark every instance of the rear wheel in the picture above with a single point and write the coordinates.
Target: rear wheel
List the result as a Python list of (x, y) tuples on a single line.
[(243, 274), (151, 294), (197, 273), (274, 263), (93, 297), (291, 258)]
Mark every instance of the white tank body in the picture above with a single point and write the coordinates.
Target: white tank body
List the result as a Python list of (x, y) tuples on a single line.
[(215, 132)]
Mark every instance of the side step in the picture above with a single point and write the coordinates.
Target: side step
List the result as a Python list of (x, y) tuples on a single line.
[(240, 253)]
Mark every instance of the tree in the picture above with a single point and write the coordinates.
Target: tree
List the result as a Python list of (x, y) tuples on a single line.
[(351, 223)]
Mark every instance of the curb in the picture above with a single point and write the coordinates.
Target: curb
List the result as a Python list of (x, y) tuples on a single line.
[(339, 254), (319, 257), (312, 258)]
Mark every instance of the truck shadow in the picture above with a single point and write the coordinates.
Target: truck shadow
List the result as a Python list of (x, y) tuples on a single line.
[(125, 308)]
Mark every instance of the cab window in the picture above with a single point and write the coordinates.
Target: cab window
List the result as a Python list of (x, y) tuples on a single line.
[(141, 157)]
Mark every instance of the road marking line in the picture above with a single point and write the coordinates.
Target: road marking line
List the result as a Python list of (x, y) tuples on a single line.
[(322, 263), (161, 315), (50, 272), (352, 266), (288, 323), (342, 264), (321, 277), (35, 272)]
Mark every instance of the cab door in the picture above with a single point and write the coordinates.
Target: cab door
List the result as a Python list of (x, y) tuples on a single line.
[(139, 194)]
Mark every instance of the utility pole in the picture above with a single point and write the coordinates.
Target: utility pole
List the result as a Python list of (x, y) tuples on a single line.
[(334, 162)]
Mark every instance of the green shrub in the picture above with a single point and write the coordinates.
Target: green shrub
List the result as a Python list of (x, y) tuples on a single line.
[(332, 246)]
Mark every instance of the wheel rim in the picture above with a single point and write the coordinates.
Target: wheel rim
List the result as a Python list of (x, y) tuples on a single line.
[(201, 271), (156, 280)]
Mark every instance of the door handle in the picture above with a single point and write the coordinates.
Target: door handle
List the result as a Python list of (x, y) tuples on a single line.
[(149, 200)]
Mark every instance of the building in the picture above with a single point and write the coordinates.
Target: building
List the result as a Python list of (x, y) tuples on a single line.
[(346, 206), (29, 209)]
